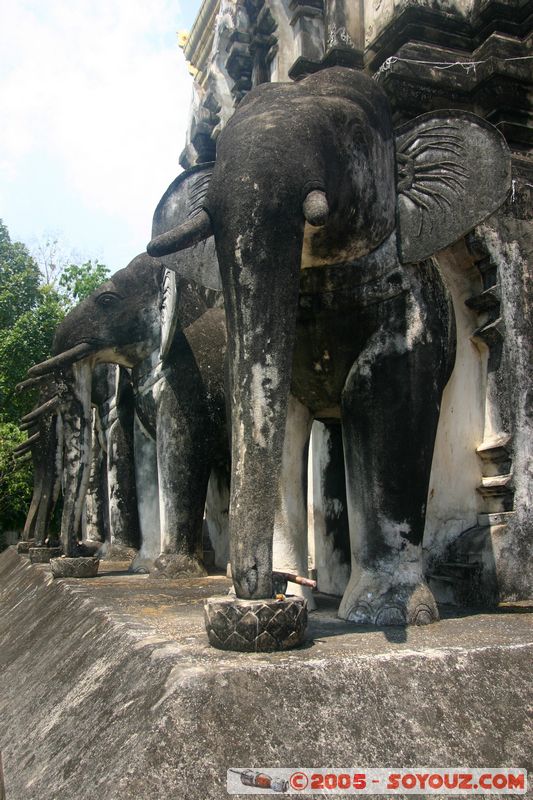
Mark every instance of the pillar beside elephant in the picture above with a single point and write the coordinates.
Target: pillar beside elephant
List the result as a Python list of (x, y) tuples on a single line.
[(325, 220)]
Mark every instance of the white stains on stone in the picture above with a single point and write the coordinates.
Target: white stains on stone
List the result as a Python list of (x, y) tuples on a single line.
[(332, 572), (147, 495), (216, 518), (238, 251), (394, 532), (416, 324), (264, 383)]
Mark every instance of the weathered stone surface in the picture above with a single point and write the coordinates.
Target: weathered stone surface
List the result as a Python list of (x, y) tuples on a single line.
[(81, 567), (109, 688), (171, 565), (42, 555), (255, 626), (24, 547)]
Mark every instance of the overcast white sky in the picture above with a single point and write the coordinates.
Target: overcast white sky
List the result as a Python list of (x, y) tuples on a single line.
[(94, 98)]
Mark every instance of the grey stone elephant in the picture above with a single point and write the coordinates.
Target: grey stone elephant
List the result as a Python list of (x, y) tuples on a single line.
[(324, 218), (177, 375), (62, 465)]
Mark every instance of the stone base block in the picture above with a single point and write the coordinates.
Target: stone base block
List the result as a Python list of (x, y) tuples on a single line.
[(255, 626), (81, 567), (24, 546), (42, 555)]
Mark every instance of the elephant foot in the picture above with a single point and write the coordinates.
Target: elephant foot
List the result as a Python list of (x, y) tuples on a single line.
[(177, 565), (255, 626), (141, 565), (379, 599), (117, 552)]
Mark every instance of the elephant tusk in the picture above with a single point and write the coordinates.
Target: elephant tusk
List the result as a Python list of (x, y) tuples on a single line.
[(31, 383), (185, 235), (46, 408), (23, 459), (68, 357), (316, 208), (26, 426), (24, 446)]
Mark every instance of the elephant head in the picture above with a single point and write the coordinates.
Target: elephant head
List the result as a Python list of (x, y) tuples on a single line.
[(310, 175)]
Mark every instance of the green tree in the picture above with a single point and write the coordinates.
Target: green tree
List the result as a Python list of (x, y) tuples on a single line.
[(15, 481), (78, 281), (28, 341), (19, 279), (35, 294)]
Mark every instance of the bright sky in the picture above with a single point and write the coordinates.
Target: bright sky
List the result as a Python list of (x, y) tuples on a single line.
[(94, 98)]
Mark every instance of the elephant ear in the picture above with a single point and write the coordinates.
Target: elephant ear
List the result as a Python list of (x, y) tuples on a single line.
[(454, 170), (182, 201)]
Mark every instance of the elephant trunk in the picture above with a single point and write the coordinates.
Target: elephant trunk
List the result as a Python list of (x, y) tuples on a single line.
[(260, 270), (77, 438)]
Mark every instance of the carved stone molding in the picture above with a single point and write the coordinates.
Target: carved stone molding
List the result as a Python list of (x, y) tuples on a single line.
[(498, 87)]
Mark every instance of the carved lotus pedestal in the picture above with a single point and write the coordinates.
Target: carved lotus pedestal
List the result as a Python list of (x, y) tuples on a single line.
[(255, 626), (80, 567), (42, 555)]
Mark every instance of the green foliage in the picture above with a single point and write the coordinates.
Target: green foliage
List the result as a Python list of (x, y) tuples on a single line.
[(15, 480), (35, 295), (27, 342), (19, 279), (79, 281)]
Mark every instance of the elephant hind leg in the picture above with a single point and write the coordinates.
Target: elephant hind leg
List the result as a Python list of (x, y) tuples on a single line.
[(390, 411)]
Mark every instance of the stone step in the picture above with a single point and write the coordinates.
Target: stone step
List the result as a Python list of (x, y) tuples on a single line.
[(491, 333), (115, 692), (496, 485), (488, 520), (486, 301)]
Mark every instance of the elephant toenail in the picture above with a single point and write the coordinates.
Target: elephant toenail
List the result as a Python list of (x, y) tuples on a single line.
[(423, 616), (391, 615), (361, 614)]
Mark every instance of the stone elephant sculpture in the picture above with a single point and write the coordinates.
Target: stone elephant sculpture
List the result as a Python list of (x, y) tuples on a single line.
[(60, 431), (323, 218), (178, 385)]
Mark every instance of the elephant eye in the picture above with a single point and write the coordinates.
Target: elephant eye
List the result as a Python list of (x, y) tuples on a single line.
[(107, 299)]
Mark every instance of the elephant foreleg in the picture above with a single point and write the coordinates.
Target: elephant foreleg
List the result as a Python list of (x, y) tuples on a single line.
[(183, 465), (390, 411)]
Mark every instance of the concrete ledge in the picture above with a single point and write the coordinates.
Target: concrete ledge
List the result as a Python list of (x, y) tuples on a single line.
[(109, 689)]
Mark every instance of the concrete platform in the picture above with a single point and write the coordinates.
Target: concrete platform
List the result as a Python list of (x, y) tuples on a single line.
[(108, 688)]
